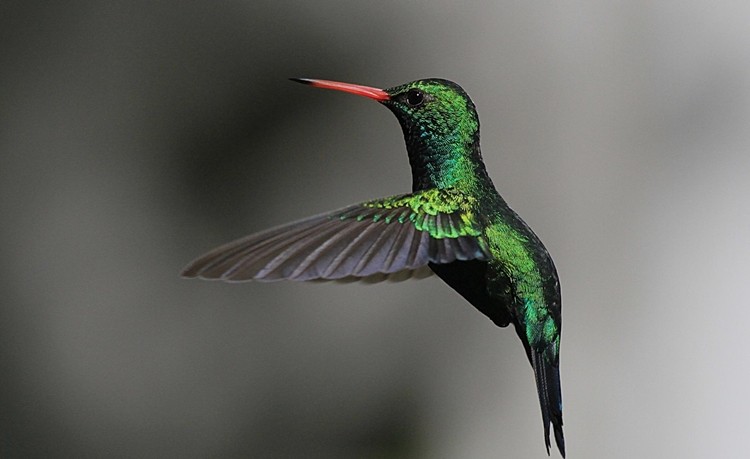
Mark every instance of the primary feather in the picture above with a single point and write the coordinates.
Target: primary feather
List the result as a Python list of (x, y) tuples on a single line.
[(384, 236)]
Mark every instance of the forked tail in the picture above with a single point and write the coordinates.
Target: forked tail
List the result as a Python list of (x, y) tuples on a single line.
[(547, 375)]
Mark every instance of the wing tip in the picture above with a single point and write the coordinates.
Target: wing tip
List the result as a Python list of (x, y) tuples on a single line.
[(190, 272)]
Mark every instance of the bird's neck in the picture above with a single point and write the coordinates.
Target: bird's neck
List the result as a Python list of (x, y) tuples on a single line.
[(445, 163)]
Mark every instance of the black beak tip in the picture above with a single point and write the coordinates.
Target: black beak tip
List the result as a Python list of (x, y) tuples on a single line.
[(302, 80)]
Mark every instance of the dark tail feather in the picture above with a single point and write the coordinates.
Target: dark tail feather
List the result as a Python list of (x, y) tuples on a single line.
[(550, 398)]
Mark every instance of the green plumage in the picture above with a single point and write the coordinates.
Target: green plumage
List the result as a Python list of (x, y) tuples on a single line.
[(424, 208), (454, 221)]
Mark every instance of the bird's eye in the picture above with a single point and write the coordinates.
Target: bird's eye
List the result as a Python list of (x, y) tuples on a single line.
[(414, 97)]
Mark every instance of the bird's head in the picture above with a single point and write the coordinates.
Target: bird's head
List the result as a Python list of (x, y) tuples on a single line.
[(434, 112), (440, 125)]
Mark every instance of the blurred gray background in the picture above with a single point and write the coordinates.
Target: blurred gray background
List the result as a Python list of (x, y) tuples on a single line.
[(135, 136)]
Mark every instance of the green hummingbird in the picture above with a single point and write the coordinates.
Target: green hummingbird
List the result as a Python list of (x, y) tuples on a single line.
[(454, 223)]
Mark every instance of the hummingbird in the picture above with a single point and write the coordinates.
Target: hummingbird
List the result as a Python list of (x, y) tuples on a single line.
[(454, 223)]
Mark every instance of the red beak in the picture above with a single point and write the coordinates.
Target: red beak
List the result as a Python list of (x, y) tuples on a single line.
[(366, 91)]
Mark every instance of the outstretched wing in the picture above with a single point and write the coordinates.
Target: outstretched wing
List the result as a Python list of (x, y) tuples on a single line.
[(383, 236)]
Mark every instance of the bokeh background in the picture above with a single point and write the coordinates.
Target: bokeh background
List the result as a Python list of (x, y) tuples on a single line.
[(134, 136)]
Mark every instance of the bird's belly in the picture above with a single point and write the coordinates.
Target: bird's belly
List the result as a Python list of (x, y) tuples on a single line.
[(469, 279)]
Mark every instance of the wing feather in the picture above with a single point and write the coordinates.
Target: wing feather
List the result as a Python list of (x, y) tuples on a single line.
[(372, 260), (377, 239)]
